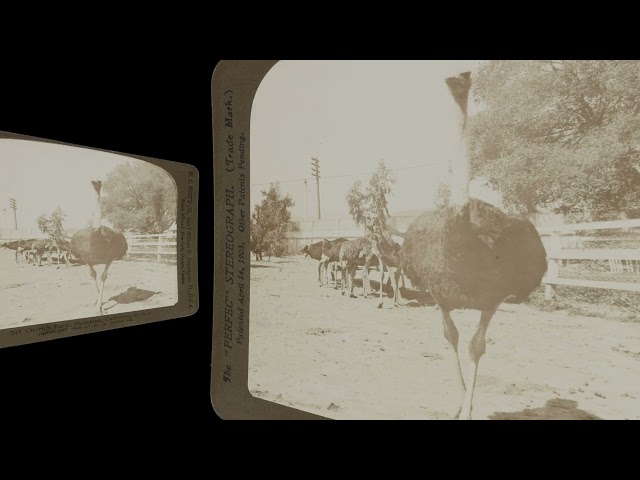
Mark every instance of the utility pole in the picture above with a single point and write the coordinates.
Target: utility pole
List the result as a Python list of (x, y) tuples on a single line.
[(306, 201), (12, 204), (315, 171)]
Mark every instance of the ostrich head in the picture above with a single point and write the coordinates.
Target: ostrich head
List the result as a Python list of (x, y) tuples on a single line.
[(459, 87), (97, 214)]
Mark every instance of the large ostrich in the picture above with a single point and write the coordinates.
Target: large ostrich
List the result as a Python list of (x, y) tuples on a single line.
[(471, 255), (98, 246)]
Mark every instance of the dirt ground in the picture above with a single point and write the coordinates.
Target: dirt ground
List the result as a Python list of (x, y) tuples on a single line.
[(317, 351), (33, 295)]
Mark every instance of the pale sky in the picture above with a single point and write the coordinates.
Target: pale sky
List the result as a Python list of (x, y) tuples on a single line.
[(350, 115), (43, 176)]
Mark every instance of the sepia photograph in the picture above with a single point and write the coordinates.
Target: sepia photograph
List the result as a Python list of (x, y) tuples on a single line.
[(428, 240), (84, 233)]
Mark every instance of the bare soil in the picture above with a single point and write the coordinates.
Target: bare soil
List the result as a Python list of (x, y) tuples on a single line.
[(40, 294), (318, 351)]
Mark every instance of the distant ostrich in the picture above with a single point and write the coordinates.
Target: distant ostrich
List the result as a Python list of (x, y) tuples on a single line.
[(471, 255), (331, 256), (353, 254), (19, 246), (315, 251), (63, 246), (98, 246), (389, 251), (38, 247)]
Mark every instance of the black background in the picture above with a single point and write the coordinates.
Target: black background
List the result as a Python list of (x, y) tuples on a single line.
[(141, 379)]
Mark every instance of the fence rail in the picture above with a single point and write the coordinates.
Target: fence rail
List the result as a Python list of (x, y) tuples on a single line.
[(618, 258), (161, 246)]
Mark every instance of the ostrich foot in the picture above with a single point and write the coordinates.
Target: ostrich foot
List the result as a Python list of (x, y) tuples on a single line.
[(352, 296), (457, 415), (380, 305)]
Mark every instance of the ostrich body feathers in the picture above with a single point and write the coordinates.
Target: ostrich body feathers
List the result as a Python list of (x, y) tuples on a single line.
[(474, 256), (98, 246)]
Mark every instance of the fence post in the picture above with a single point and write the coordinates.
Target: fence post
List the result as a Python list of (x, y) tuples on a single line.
[(555, 247), (158, 256)]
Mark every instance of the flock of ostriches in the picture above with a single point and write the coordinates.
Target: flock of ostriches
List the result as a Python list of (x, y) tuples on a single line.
[(94, 246), (468, 255)]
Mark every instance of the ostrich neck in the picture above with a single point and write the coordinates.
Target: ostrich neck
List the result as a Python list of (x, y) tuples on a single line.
[(460, 167), (97, 213)]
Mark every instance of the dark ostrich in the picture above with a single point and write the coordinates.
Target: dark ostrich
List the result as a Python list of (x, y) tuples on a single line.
[(331, 256), (353, 254), (19, 246), (315, 251), (471, 255), (389, 252), (38, 248), (98, 246), (64, 249)]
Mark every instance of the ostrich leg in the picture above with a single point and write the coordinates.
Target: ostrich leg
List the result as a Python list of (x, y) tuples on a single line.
[(381, 267), (94, 275), (103, 278), (366, 286), (452, 335), (351, 268), (394, 276), (476, 350)]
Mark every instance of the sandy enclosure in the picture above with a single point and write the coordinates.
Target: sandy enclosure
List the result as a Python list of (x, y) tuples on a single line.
[(315, 350), (32, 295)]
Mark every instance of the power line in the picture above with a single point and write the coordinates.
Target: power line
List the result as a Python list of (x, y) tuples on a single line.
[(348, 174)]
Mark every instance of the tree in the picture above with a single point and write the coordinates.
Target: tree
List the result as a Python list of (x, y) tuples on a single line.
[(52, 224), (561, 136), (443, 195), (368, 206), (139, 197), (269, 221)]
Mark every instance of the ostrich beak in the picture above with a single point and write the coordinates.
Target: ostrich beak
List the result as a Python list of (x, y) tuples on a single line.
[(459, 87)]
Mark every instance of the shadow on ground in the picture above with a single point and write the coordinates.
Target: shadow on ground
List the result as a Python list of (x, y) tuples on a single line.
[(555, 409), (133, 295), (410, 297)]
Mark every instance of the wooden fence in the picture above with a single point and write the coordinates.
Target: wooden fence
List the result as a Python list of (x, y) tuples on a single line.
[(563, 245), (159, 246)]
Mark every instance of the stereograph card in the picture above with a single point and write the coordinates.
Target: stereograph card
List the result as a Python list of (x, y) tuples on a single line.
[(92, 240), (426, 240)]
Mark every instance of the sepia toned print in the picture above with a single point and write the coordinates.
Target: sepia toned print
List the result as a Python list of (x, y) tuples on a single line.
[(85, 233), (431, 240)]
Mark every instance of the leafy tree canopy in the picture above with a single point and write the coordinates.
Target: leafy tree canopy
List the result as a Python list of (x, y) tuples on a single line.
[(560, 136), (139, 197), (52, 224), (270, 219), (368, 205)]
